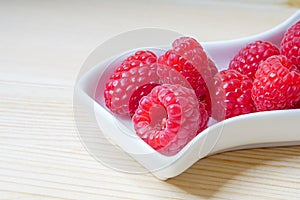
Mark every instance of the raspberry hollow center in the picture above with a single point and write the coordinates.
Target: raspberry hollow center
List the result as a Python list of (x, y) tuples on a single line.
[(159, 117)]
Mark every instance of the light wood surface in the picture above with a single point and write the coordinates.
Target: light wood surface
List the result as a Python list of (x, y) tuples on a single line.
[(42, 47)]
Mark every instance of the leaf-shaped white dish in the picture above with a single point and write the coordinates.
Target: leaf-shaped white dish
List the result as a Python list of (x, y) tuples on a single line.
[(261, 129)]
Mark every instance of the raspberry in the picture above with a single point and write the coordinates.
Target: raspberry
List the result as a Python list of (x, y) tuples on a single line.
[(246, 61), (174, 69), (187, 64), (276, 85), (169, 117), (192, 51), (290, 44), (232, 95), (133, 74)]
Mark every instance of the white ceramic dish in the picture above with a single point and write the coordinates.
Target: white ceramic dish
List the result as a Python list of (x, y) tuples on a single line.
[(262, 129)]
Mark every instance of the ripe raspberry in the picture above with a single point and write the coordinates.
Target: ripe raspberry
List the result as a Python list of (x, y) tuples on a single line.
[(246, 61), (276, 85), (187, 64), (169, 117), (191, 50), (174, 69), (134, 73), (232, 95), (290, 44)]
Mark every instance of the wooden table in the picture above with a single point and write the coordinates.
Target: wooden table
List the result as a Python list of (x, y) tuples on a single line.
[(43, 45)]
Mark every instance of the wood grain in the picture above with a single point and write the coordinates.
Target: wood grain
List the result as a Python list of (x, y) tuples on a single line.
[(43, 45)]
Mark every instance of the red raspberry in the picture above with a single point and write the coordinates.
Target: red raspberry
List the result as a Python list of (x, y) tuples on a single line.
[(276, 85), (174, 69), (232, 95), (169, 117), (246, 61), (187, 64), (191, 50), (290, 44), (136, 72)]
